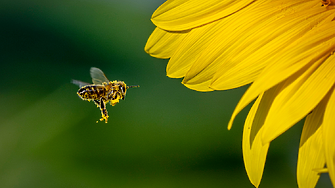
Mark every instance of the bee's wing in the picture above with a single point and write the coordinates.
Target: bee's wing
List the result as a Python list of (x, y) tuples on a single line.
[(98, 77), (80, 83)]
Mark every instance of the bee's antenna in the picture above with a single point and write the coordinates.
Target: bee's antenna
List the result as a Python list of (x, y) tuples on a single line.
[(132, 86)]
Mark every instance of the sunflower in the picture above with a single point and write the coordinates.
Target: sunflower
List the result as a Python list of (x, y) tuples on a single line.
[(283, 48)]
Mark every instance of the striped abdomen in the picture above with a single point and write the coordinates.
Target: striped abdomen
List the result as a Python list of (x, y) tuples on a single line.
[(92, 92)]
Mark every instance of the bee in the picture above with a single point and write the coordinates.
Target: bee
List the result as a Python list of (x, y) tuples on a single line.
[(102, 91)]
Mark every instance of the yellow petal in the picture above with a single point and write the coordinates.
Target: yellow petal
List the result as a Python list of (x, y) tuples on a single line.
[(299, 98), (189, 50), (328, 136), (237, 48), (311, 151), (208, 43), (254, 152), (202, 86), (162, 44), (176, 15), (248, 55), (321, 170), (205, 52), (315, 45)]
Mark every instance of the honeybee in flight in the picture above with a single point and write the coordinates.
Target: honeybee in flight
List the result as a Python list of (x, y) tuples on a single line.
[(102, 91)]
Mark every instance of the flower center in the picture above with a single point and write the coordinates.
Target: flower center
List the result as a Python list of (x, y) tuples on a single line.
[(328, 2)]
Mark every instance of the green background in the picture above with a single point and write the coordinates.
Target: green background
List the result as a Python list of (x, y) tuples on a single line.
[(162, 135)]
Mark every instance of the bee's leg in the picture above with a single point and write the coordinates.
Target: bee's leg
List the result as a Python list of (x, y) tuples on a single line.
[(101, 104), (97, 102), (103, 110)]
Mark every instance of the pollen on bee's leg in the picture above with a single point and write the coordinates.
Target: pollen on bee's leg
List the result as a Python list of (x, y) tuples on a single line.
[(104, 118)]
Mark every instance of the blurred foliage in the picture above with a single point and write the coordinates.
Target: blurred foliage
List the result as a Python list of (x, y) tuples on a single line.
[(162, 135)]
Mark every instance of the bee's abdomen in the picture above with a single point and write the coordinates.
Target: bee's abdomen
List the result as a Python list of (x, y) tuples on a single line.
[(91, 92)]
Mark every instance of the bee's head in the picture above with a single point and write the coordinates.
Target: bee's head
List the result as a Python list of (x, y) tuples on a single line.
[(122, 89), (119, 90)]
